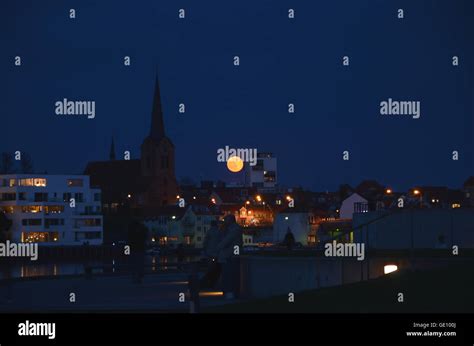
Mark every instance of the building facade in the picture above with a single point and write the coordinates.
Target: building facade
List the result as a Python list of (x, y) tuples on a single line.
[(52, 209), (264, 173)]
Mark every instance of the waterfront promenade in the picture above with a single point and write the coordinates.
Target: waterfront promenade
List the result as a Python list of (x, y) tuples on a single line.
[(157, 293)]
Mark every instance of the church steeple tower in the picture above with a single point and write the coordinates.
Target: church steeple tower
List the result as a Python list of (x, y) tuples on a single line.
[(157, 130), (157, 158)]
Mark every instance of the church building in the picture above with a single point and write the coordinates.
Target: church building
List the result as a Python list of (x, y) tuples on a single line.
[(139, 186)]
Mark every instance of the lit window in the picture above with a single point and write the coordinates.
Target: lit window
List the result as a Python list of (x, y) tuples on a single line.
[(32, 209), (39, 182), (39, 237), (456, 205), (8, 209)]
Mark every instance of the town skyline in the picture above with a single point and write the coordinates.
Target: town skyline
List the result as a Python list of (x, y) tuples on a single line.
[(247, 105)]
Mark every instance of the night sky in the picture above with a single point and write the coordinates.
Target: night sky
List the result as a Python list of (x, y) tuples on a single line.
[(282, 61)]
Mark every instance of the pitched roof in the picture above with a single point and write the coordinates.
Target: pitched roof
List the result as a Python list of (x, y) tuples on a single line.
[(469, 182), (116, 177)]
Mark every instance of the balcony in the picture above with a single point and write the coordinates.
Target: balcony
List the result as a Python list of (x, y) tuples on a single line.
[(361, 207)]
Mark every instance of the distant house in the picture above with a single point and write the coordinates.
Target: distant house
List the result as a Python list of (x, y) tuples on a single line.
[(353, 203), (300, 221), (172, 225)]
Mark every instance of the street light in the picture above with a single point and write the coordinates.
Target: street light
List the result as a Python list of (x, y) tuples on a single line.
[(417, 192)]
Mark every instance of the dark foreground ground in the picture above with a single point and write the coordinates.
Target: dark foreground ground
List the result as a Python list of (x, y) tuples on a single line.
[(438, 291)]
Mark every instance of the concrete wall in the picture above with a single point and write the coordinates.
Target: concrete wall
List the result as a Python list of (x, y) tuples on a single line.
[(264, 276), (422, 228)]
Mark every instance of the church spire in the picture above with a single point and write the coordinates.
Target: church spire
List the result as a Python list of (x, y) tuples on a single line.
[(157, 130), (112, 150)]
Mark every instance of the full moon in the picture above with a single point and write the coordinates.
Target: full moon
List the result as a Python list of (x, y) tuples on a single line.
[(235, 164)]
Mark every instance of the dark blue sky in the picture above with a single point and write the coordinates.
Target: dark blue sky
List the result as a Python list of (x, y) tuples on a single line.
[(282, 61)]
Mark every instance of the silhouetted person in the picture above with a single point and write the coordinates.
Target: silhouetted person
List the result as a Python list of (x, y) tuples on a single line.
[(211, 240), (289, 240), (228, 255), (137, 236)]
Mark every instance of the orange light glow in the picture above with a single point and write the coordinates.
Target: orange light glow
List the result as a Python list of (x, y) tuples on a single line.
[(210, 294)]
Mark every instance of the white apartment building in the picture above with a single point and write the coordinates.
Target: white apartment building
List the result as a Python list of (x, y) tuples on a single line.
[(264, 173), (52, 209)]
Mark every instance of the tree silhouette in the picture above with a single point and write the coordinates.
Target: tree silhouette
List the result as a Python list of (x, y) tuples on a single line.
[(6, 163), (26, 163)]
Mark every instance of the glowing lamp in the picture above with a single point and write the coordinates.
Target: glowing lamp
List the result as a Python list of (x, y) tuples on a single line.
[(390, 268)]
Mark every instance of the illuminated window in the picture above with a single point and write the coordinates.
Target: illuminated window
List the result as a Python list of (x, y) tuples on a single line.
[(456, 205), (163, 240), (7, 209), (32, 209), (32, 182), (53, 209), (12, 182), (40, 182), (39, 237)]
